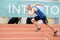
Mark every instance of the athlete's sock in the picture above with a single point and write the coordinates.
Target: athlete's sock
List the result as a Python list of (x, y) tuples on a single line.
[(55, 33)]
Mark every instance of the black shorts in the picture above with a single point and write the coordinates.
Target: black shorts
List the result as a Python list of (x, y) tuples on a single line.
[(44, 19)]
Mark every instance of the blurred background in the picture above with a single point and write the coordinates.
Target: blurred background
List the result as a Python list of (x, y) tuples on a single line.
[(5, 20)]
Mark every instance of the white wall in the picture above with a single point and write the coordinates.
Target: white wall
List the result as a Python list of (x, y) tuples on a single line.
[(23, 21), (59, 21), (0, 20)]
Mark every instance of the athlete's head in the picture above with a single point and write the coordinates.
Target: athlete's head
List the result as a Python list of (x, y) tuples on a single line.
[(29, 7)]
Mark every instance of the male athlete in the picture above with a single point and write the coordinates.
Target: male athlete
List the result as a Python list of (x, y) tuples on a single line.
[(40, 16)]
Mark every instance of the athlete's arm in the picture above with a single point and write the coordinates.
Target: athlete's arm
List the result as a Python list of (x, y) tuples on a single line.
[(33, 11)]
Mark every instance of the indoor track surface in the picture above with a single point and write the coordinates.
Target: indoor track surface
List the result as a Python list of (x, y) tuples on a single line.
[(27, 32)]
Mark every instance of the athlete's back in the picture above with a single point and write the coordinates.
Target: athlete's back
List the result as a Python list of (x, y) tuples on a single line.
[(39, 12)]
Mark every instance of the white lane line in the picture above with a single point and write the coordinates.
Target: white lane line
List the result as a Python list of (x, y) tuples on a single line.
[(49, 36), (46, 38), (52, 36), (25, 38), (21, 33), (25, 28), (25, 33), (58, 33), (16, 28)]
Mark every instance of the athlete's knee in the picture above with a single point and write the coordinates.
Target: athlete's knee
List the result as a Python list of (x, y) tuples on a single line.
[(32, 20)]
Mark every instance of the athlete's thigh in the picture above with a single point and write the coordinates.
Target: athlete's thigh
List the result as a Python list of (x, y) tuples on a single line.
[(45, 20), (37, 18)]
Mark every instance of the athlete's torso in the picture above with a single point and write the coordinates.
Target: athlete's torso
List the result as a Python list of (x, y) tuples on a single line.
[(39, 12)]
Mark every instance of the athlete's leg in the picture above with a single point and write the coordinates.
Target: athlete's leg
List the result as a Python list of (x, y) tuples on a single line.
[(35, 22), (54, 30), (50, 26)]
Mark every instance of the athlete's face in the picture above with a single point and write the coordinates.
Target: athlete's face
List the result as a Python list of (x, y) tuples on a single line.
[(29, 7)]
